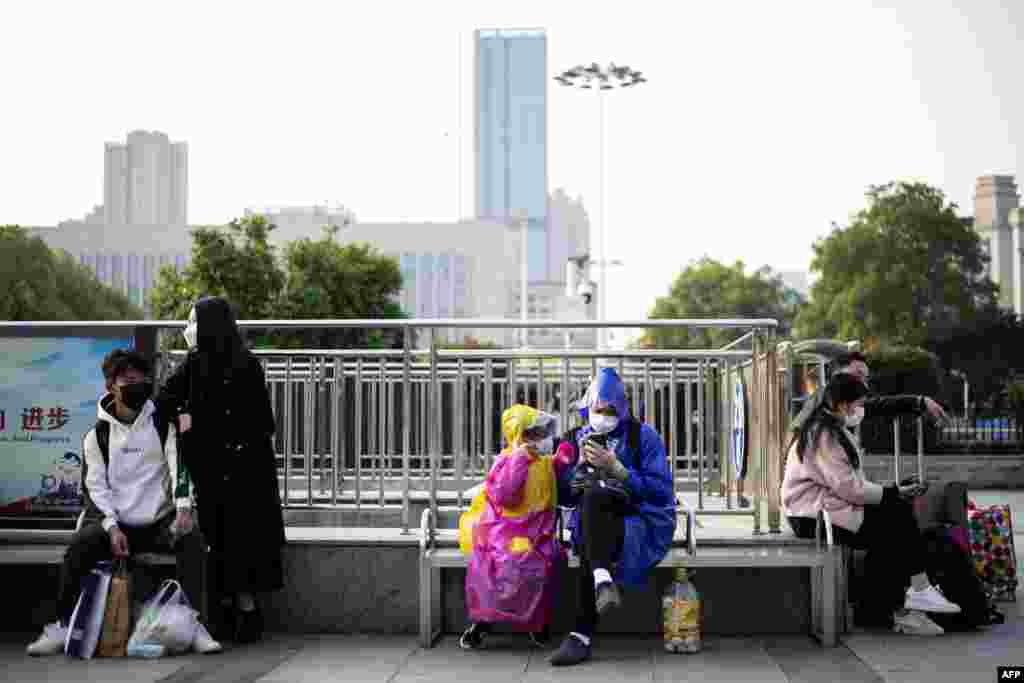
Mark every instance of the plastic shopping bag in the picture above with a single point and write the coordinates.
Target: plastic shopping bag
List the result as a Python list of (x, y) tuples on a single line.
[(117, 620), (469, 520), (167, 619), (87, 619)]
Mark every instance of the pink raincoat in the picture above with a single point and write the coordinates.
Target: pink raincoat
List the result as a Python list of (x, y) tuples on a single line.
[(513, 570)]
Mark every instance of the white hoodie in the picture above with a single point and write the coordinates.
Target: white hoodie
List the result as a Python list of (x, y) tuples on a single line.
[(137, 486)]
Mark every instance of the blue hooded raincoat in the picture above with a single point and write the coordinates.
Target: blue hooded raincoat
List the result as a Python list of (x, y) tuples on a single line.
[(652, 524)]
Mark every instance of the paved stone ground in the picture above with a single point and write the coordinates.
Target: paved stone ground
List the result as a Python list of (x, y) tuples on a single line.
[(864, 656)]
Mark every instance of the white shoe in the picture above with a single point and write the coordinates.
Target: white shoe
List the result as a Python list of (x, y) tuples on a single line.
[(929, 600), (915, 623), (203, 643), (51, 642)]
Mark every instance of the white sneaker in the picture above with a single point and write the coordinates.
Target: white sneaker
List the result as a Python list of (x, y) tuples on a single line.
[(929, 600), (203, 643), (51, 642), (915, 623)]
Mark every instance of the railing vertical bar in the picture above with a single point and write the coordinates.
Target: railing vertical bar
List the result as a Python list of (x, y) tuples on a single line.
[(563, 396), (406, 426), (920, 449), (336, 432), (488, 414), (308, 428), (359, 426), (730, 452), (288, 427), (701, 430), (382, 434), (757, 417), (434, 428), (458, 447), (896, 447), (673, 420)]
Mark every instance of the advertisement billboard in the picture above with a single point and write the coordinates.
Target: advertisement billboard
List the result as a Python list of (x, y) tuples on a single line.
[(48, 397)]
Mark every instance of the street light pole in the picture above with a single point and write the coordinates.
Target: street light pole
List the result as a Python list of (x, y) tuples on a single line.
[(595, 77), (524, 274)]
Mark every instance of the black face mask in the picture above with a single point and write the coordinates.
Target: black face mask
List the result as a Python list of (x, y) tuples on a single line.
[(134, 396)]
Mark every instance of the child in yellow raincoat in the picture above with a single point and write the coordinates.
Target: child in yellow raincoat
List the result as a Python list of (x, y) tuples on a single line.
[(515, 555)]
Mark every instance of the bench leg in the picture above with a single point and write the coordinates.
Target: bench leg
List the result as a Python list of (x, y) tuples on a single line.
[(828, 599), (430, 603)]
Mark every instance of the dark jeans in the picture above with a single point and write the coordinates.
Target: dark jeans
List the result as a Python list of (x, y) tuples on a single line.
[(895, 550), (91, 544), (602, 531)]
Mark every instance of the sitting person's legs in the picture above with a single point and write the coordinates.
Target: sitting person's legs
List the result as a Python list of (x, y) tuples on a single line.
[(602, 530)]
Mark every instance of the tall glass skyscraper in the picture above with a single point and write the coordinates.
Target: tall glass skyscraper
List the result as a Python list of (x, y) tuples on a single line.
[(511, 134)]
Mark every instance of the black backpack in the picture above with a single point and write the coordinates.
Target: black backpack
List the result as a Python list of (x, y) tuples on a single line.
[(102, 429)]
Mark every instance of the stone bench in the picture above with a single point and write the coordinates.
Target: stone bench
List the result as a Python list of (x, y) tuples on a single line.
[(439, 551)]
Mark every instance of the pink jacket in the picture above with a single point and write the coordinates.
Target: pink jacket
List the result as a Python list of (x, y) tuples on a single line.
[(826, 479)]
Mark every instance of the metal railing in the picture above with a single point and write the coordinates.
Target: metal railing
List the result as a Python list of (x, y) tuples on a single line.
[(384, 428)]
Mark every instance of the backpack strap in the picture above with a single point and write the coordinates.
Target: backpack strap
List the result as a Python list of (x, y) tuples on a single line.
[(103, 440), (634, 436), (163, 427), (102, 431)]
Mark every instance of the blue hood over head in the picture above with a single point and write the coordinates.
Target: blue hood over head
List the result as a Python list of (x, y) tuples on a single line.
[(607, 387)]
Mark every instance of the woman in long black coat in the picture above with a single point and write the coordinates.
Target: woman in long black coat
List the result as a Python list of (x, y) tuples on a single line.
[(220, 397)]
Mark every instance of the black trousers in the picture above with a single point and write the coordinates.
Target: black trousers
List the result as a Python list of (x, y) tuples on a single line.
[(895, 550), (91, 544), (602, 532)]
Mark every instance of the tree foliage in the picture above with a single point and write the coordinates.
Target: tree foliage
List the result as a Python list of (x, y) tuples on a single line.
[(41, 284), (907, 270), (709, 289), (314, 279)]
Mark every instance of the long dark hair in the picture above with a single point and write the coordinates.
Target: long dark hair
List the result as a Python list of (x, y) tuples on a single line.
[(220, 349), (842, 388)]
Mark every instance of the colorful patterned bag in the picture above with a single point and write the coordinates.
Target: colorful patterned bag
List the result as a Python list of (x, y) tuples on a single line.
[(992, 550)]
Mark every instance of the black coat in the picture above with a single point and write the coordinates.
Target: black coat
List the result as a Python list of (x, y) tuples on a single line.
[(229, 452)]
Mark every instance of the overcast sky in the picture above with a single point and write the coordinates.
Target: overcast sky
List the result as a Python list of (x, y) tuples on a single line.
[(762, 121)]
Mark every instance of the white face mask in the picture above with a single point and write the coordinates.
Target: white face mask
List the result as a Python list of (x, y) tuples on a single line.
[(855, 418), (192, 330), (544, 447), (602, 424)]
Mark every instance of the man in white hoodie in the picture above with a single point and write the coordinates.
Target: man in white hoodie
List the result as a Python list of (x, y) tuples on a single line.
[(138, 496)]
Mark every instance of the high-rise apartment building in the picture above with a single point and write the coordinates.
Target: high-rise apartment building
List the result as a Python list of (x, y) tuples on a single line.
[(511, 134), (145, 181)]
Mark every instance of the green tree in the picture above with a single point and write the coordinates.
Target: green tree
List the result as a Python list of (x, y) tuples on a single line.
[(709, 289), (906, 271), (41, 284), (328, 280), (235, 262)]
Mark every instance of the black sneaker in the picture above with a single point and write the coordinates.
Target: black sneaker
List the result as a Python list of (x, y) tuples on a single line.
[(573, 651), (607, 596), (473, 637)]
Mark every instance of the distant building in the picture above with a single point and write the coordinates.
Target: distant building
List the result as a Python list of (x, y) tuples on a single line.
[(998, 219), (145, 181)]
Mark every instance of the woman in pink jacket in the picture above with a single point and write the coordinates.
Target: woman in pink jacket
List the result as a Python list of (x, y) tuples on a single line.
[(823, 470)]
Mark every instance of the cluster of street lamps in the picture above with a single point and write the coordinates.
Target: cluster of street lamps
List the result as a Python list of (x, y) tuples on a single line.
[(600, 79)]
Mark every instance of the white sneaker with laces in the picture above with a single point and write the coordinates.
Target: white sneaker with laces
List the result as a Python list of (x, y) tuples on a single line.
[(929, 600), (914, 623), (51, 642), (203, 643)]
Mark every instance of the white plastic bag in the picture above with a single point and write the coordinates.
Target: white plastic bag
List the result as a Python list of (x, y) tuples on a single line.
[(167, 619)]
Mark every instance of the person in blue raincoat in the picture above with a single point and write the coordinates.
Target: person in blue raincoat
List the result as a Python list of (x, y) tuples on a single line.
[(625, 513)]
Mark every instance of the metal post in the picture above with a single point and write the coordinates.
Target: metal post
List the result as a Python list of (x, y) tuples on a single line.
[(382, 434), (488, 414), (336, 433), (434, 428), (756, 417), (603, 293), (406, 425), (701, 415), (920, 448), (287, 430), (896, 447), (458, 429), (729, 452), (358, 424), (308, 429)]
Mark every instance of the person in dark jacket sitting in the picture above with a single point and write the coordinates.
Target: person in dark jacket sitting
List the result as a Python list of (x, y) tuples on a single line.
[(226, 421)]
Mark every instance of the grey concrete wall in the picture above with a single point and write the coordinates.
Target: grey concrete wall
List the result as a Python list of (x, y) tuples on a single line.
[(979, 471), (736, 602), (375, 589)]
